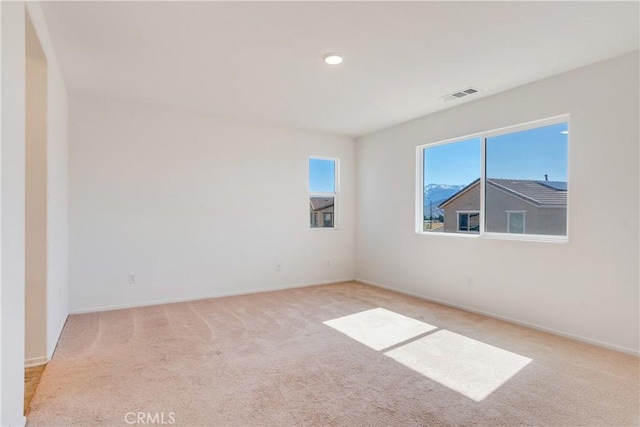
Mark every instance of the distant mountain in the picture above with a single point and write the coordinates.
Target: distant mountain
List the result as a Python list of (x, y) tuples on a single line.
[(438, 193)]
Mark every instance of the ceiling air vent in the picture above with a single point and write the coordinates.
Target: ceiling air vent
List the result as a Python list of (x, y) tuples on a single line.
[(460, 94)]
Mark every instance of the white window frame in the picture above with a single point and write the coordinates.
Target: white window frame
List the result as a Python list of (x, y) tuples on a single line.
[(336, 180), (468, 212), (483, 136), (524, 220)]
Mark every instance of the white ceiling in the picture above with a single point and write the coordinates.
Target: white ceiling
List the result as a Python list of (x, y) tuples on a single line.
[(262, 61)]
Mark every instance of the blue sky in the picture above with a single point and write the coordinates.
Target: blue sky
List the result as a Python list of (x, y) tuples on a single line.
[(322, 176), (457, 163), (528, 154)]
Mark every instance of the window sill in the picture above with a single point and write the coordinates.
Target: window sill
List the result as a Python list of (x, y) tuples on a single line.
[(526, 237), (460, 234), (503, 236)]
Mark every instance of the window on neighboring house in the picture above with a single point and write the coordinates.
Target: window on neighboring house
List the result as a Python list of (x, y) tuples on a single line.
[(515, 222), (323, 191), (469, 222), (504, 182), (328, 219)]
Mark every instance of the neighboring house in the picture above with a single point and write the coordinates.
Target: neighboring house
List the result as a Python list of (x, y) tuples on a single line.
[(322, 211), (512, 206)]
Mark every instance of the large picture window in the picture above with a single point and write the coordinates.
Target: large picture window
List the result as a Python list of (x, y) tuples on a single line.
[(510, 183), (323, 192)]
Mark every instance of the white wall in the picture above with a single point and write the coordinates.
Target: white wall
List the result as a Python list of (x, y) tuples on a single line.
[(57, 186), (12, 166), (12, 207), (57, 208), (195, 206), (36, 201), (587, 288)]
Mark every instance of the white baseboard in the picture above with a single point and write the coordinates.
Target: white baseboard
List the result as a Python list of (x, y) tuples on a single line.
[(21, 422), (35, 361), (506, 319), (200, 297)]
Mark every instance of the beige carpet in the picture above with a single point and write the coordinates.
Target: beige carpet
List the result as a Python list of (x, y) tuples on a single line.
[(380, 359)]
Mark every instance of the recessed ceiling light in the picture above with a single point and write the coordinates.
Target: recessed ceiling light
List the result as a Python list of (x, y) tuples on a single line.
[(333, 58), (565, 132)]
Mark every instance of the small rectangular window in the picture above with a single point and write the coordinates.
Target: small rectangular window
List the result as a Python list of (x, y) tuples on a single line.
[(323, 194), (469, 222), (328, 219), (515, 222)]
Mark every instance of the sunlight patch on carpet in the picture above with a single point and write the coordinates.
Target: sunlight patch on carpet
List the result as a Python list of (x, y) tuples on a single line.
[(470, 367), (379, 328)]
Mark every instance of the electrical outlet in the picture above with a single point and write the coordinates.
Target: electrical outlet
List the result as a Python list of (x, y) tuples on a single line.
[(132, 278), (328, 263), (278, 266)]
